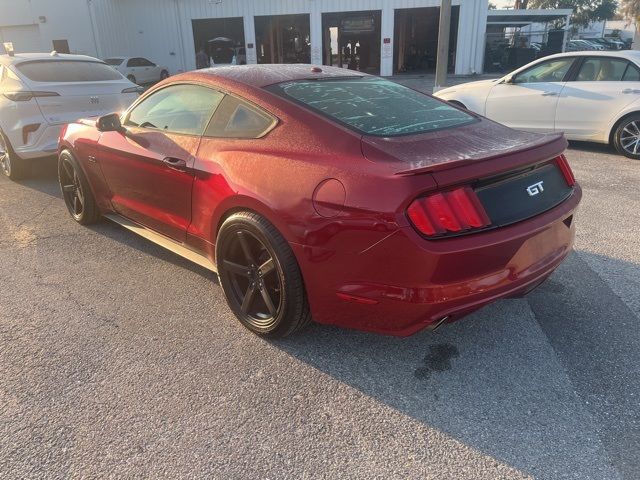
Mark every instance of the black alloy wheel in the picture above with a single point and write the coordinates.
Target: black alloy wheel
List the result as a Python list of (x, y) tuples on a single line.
[(75, 190), (260, 276)]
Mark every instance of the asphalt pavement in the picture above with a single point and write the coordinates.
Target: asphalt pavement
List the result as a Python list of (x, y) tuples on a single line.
[(120, 360)]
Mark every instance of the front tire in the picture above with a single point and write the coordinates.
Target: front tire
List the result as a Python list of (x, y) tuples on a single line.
[(12, 166), (260, 276), (132, 79), (76, 191), (164, 75), (626, 138)]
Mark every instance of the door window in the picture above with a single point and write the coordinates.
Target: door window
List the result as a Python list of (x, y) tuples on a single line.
[(602, 69), (182, 109), (133, 62), (146, 63), (238, 119), (548, 71)]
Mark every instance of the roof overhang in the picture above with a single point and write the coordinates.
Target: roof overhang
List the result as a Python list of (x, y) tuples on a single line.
[(520, 18)]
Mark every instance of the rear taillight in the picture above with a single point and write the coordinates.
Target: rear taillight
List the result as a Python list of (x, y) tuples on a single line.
[(448, 212), (25, 95), (564, 167)]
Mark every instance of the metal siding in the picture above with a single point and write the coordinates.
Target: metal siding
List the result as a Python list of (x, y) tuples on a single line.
[(166, 25)]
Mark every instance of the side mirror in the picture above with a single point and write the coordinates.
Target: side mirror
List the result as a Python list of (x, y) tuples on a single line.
[(110, 123)]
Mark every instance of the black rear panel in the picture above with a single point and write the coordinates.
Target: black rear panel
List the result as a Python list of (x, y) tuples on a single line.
[(519, 196)]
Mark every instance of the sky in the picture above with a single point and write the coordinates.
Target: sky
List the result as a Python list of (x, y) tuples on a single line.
[(502, 3)]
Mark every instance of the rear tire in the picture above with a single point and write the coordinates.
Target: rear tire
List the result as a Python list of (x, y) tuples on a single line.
[(260, 276), (12, 166), (76, 191), (626, 138)]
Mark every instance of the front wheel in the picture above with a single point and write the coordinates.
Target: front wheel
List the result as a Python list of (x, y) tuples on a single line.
[(260, 276), (132, 79), (164, 75), (626, 138), (75, 190)]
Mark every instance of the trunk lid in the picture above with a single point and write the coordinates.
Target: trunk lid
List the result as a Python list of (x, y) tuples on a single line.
[(515, 175)]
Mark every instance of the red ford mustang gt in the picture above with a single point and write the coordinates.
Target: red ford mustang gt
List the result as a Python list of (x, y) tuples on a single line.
[(327, 194)]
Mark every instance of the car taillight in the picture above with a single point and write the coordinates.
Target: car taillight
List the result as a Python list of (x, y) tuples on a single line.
[(453, 211), (25, 95), (564, 167)]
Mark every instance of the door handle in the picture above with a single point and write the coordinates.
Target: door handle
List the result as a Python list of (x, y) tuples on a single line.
[(175, 164), (549, 94)]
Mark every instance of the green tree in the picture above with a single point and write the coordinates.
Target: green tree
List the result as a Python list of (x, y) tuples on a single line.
[(584, 11)]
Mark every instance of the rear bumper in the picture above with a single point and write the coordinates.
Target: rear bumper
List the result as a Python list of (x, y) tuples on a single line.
[(405, 283), (45, 144)]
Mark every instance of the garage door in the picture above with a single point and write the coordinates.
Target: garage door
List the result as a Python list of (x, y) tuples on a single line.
[(25, 38)]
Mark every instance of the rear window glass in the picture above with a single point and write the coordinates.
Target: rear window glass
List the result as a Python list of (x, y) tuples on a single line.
[(374, 106), (68, 71), (114, 61)]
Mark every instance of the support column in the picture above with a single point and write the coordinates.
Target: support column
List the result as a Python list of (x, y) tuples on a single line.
[(250, 38), (444, 29), (566, 33), (386, 42), (315, 32)]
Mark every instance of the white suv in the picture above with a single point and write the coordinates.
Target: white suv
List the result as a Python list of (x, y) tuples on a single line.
[(39, 93)]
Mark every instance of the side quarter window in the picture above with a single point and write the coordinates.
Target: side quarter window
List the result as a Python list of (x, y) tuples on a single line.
[(631, 74), (184, 109), (236, 118)]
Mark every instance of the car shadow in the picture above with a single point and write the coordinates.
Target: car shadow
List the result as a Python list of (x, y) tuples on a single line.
[(121, 235), (44, 177), (592, 147), (497, 381)]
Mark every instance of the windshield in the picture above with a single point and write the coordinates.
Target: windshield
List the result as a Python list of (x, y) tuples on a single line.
[(114, 61), (67, 71), (374, 106)]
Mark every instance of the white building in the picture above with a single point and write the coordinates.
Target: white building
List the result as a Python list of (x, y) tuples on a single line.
[(378, 36)]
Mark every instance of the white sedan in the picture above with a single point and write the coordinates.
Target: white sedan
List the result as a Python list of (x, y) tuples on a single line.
[(590, 96), (40, 92), (138, 69)]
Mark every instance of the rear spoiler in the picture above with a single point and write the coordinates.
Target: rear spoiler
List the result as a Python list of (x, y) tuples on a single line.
[(546, 146)]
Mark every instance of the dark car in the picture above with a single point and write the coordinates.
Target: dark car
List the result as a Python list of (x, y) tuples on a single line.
[(326, 194)]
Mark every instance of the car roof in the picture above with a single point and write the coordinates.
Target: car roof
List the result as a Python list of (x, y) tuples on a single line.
[(269, 74), (628, 54), (28, 57)]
